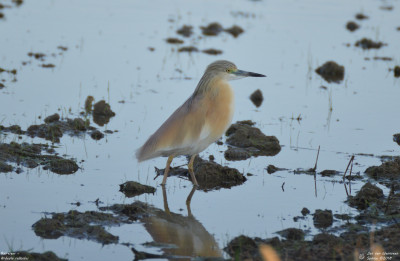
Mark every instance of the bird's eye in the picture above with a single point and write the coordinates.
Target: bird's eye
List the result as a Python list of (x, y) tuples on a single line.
[(228, 70)]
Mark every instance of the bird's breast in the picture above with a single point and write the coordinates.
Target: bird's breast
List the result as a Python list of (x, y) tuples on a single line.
[(220, 109)]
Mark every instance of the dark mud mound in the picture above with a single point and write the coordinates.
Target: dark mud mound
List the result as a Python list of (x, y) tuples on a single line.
[(387, 174), (292, 234), (213, 29), (368, 195), (188, 49), (54, 128), (235, 30), (323, 246), (30, 155), (257, 98), (366, 43), (211, 175), (132, 188), (361, 16), (88, 225), (323, 218), (243, 248), (246, 141), (212, 51), (331, 72), (396, 71), (25, 255), (352, 26), (102, 113), (185, 30), (129, 212), (174, 41), (396, 138)]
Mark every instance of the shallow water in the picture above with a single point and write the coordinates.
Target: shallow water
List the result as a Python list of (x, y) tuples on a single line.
[(108, 58)]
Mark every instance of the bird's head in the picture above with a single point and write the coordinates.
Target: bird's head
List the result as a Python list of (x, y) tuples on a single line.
[(228, 71)]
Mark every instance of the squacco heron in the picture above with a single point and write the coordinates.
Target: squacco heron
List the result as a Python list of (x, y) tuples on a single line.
[(200, 121)]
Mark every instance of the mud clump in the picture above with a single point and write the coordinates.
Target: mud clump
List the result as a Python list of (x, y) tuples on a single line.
[(396, 138), (323, 218), (211, 175), (212, 51), (54, 128), (188, 49), (38, 56), (129, 212), (4, 167), (185, 30), (174, 41), (132, 188), (48, 65), (331, 72), (352, 26), (243, 248), (396, 71), (329, 173), (386, 173), (367, 195), (213, 29), (25, 255), (305, 211), (97, 135), (235, 30), (292, 234), (63, 166), (257, 98), (243, 137), (102, 113), (29, 155), (89, 104), (52, 118), (361, 16), (366, 43), (88, 225)]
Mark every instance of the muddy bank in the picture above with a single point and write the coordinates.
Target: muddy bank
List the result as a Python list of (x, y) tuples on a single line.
[(88, 225), (132, 188), (246, 141), (30, 156), (352, 26), (331, 72), (388, 173), (26, 255), (102, 113), (323, 246), (209, 175)]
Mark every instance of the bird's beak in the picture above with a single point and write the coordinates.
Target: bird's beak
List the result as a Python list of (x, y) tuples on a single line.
[(247, 74)]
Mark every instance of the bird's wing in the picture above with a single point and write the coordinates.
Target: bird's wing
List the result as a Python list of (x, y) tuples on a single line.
[(179, 133)]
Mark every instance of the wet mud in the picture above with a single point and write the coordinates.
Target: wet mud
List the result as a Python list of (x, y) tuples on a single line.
[(26, 255), (361, 16), (366, 43), (323, 218), (235, 30), (396, 71), (102, 113), (87, 225), (185, 30), (212, 51), (132, 188), (257, 98), (396, 138), (352, 26), (388, 173), (188, 49), (209, 175), (174, 41), (213, 29), (30, 156), (246, 141), (331, 72)]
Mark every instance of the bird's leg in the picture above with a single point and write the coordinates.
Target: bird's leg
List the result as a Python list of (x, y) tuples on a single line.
[(190, 167), (166, 208), (170, 158), (189, 199)]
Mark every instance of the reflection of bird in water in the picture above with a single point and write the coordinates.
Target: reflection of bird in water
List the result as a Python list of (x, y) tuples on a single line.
[(187, 235), (200, 121)]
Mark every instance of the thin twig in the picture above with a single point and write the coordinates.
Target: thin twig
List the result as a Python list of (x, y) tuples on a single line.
[(316, 161), (283, 184), (348, 165)]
